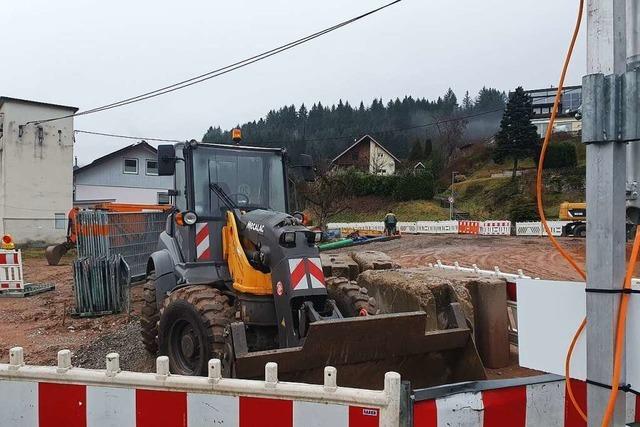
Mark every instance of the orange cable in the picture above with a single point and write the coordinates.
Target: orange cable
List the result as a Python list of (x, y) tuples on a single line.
[(620, 332), (540, 205)]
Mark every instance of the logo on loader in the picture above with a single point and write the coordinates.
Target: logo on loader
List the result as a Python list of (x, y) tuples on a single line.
[(306, 273)]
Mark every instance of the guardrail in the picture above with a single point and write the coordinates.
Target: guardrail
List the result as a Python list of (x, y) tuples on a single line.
[(66, 395)]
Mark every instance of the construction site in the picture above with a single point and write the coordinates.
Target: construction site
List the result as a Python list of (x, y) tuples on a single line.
[(394, 272)]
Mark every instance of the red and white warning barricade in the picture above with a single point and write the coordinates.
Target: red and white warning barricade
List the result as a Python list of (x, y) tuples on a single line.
[(522, 402), (11, 278), (68, 396), (469, 227), (495, 228)]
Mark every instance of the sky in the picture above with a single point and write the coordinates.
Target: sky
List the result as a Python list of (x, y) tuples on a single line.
[(88, 53)]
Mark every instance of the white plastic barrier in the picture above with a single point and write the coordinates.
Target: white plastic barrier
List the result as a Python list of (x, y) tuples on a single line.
[(509, 277), (408, 227), (11, 278), (495, 228), (536, 228), (437, 227), (65, 395)]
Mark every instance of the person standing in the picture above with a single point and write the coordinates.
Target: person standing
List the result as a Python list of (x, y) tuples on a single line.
[(390, 222)]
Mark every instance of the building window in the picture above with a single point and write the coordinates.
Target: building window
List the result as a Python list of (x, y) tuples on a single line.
[(60, 221), (151, 167), (163, 199), (131, 166)]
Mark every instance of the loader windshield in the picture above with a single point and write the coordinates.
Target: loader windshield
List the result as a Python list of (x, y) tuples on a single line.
[(252, 179)]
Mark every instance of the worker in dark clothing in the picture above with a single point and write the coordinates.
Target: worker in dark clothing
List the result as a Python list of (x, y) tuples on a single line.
[(390, 222)]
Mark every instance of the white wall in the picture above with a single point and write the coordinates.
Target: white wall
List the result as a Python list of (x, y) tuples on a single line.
[(147, 196), (36, 173), (380, 162)]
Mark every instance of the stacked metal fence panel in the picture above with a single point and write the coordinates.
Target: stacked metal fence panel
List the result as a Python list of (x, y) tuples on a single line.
[(101, 285), (113, 249), (135, 237)]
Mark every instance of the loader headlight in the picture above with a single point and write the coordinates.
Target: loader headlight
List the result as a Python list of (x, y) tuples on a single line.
[(289, 237), (318, 236), (190, 218)]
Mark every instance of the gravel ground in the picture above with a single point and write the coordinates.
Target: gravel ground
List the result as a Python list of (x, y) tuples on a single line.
[(126, 342)]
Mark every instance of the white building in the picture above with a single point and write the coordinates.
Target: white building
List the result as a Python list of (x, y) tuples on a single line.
[(369, 155), (35, 170), (128, 175)]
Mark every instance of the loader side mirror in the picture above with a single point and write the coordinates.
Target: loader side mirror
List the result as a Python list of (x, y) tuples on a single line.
[(166, 160), (306, 165)]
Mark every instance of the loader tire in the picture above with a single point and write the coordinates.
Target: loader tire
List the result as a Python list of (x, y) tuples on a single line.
[(192, 328), (351, 299), (150, 315)]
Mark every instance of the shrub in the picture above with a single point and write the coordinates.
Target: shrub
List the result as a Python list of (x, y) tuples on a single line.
[(560, 155), (401, 187)]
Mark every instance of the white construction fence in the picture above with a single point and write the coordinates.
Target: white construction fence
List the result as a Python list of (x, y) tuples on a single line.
[(42, 396), (483, 228)]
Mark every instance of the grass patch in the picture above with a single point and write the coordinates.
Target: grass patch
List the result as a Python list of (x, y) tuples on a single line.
[(374, 209)]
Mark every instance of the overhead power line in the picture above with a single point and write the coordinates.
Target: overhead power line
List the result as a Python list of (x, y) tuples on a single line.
[(219, 71)]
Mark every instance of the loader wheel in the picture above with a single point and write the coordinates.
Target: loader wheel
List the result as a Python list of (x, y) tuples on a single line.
[(351, 299), (580, 231), (150, 315), (192, 329)]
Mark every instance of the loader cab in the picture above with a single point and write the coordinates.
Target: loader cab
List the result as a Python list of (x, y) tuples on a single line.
[(252, 177)]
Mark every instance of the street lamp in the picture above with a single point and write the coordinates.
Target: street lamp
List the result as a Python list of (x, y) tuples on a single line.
[(451, 197)]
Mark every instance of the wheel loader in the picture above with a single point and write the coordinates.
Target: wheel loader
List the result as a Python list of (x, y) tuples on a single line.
[(238, 279)]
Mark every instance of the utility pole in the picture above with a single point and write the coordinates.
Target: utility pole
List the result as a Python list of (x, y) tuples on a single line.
[(452, 196), (606, 174)]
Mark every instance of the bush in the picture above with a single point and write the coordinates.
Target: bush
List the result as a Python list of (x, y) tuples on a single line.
[(522, 210), (560, 155), (400, 187)]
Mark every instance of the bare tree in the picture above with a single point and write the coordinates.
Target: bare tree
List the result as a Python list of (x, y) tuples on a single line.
[(450, 131), (327, 196)]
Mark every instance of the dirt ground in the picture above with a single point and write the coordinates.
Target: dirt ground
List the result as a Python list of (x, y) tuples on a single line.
[(43, 323)]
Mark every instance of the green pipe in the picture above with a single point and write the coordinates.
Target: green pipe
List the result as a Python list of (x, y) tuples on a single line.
[(335, 245)]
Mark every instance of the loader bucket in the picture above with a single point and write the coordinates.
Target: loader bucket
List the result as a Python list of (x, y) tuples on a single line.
[(54, 253), (364, 348)]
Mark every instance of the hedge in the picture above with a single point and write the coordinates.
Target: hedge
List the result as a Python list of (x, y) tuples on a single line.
[(400, 187)]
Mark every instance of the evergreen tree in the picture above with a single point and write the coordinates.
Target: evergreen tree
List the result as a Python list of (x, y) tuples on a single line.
[(517, 138), (467, 102), (417, 153)]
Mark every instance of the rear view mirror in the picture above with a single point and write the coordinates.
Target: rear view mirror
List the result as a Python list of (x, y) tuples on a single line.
[(306, 164), (166, 160)]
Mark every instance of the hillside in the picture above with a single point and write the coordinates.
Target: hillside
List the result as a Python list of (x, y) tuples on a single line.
[(480, 194)]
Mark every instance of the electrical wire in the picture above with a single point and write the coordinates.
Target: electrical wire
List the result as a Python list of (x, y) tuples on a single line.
[(539, 180), (219, 71)]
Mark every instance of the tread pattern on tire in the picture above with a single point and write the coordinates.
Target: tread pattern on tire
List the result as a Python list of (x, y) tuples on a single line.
[(349, 297), (215, 309), (150, 316)]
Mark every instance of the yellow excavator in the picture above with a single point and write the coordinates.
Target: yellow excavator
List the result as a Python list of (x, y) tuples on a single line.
[(577, 214)]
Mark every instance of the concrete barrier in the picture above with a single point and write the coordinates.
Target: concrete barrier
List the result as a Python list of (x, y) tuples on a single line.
[(68, 396)]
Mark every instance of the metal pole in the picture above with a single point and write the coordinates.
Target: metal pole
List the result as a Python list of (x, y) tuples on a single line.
[(606, 173)]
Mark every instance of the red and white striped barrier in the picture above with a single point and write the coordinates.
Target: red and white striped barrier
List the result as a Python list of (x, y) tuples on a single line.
[(11, 278), (67, 396), (495, 228), (528, 405), (469, 227)]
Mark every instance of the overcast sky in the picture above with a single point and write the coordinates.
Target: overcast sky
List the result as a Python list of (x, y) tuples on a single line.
[(92, 52)]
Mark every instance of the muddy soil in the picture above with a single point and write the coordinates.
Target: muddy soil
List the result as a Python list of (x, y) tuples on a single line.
[(534, 255), (42, 324)]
